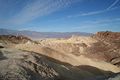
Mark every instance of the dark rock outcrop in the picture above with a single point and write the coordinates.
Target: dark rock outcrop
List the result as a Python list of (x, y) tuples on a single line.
[(14, 39)]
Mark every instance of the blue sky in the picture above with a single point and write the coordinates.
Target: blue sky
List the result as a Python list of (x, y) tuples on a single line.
[(60, 15)]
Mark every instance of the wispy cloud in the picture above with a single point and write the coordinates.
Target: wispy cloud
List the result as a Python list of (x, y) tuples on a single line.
[(98, 12), (38, 8), (113, 4), (102, 21), (92, 13), (100, 24), (109, 8)]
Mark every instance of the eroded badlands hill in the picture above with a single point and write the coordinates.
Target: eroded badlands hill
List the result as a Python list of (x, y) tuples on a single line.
[(75, 58), (23, 65)]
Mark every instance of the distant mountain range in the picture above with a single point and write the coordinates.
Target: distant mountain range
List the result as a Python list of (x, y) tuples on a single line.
[(38, 35)]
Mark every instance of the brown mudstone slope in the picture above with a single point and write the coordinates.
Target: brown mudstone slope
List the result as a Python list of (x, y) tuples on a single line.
[(107, 48)]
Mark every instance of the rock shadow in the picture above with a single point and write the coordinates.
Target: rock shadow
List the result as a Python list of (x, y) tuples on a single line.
[(2, 57), (99, 74), (1, 46)]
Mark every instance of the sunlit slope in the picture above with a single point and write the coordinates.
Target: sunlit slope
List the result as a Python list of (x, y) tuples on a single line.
[(53, 49)]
